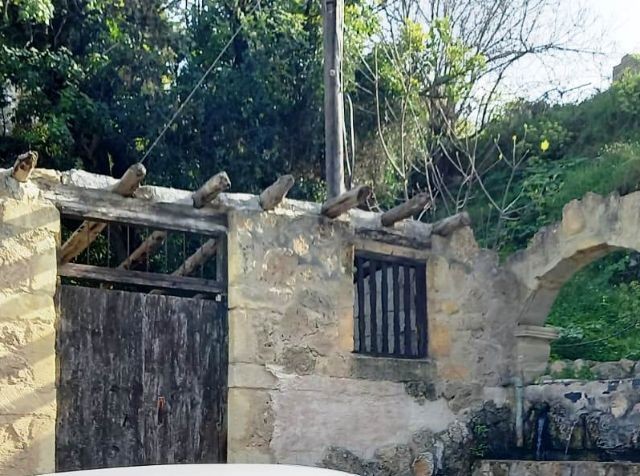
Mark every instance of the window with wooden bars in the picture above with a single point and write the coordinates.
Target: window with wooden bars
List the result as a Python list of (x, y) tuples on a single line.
[(390, 308)]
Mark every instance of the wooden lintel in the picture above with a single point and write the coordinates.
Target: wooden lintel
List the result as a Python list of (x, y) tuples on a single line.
[(275, 193), (24, 165), (413, 235), (211, 189), (450, 224), (141, 278), (89, 230), (392, 237), (104, 206), (414, 205), (146, 249), (335, 207)]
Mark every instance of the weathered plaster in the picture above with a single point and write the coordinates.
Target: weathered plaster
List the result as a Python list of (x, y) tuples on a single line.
[(316, 412)]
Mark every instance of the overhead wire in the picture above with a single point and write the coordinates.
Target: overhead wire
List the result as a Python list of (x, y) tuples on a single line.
[(197, 86)]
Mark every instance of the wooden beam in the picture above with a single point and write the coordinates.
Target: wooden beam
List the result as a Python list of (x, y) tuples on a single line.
[(275, 193), (211, 189), (146, 249), (335, 207), (207, 251), (88, 231), (412, 234), (24, 165), (450, 224), (101, 205), (203, 254), (141, 278), (130, 180), (414, 205)]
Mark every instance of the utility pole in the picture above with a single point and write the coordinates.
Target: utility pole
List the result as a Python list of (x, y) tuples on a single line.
[(333, 101)]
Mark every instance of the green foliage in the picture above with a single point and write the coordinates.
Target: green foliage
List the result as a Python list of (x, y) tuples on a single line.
[(598, 315), (585, 373), (593, 146), (480, 433), (97, 81)]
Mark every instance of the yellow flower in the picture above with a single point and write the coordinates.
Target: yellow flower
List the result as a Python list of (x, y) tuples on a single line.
[(544, 145)]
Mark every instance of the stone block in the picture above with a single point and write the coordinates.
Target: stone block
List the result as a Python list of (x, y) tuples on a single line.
[(440, 342), (30, 215), (251, 336), (392, 370), (533, 349), (609, 371), (26, 306), (573, 220), (25, 399), (251, 376), (27, 445), (250, 419)]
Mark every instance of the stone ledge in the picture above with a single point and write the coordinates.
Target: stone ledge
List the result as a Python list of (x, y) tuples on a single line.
[(392, 369), (537, 332)]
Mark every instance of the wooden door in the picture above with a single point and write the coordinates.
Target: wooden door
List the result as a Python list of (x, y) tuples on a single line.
[(142, 379)]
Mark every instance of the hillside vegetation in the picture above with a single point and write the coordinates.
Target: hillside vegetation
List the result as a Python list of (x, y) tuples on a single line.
[(98, 85), (572, 149)]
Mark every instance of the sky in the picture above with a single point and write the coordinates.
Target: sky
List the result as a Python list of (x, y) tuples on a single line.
[(612, 29)]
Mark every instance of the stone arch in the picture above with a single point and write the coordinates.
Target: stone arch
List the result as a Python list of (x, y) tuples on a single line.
[(590, 229)]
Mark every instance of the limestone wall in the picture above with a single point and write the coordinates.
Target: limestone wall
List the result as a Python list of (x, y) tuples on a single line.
[(298, 393), (29, 229)]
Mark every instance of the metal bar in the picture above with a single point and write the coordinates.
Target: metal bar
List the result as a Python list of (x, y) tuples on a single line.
[(396, 309), (221, 260), (373, 304), (141, 278), (148, 234), (108, 245), (360, 291), (385, 307), (88, 248), (407, 311), (421, 309)]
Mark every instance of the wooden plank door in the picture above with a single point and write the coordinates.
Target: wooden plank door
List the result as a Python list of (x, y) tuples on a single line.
[(142, 379)]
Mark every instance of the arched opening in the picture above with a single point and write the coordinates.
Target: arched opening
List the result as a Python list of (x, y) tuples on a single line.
[(582, 266), (597, 312)]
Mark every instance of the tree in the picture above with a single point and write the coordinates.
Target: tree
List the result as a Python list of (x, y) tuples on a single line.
[(430, 85)]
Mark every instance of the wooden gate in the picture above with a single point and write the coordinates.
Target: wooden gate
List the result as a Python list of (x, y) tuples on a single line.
[(142, 379)]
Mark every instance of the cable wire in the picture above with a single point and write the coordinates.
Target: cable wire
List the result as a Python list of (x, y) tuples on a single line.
[(197, 86)]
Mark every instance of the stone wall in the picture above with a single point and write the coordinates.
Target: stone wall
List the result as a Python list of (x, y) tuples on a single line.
[(630, 64), (297, 392), (573, 468), (29, 230), (596, 420), (590, 229)]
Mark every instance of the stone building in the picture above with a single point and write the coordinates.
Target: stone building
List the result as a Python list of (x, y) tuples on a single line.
[(301, 388), (629, 64)]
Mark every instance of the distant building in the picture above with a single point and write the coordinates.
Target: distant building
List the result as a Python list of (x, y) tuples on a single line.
[(630, 64)]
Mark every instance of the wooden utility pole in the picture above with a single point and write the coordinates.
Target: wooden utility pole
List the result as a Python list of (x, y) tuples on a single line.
[(333, 102)]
